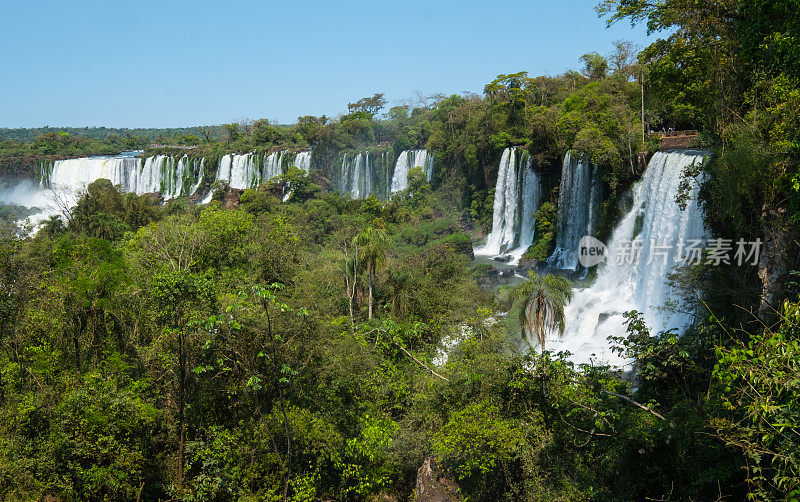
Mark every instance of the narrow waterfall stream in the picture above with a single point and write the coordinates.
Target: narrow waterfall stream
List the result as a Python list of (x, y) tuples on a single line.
[(576, 194)]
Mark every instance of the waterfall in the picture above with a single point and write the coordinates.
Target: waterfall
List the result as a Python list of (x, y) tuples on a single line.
[(156, 174), (531, 196), (273, 163), (303, 161), (74, 174), (241, 171), (407, 160), (387, 192), (516, 198), (357, 176), (198, 167), (575, 207), (660, 227), (367, 176)]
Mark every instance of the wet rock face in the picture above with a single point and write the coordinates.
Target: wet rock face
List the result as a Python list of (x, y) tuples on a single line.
[(433, 486)]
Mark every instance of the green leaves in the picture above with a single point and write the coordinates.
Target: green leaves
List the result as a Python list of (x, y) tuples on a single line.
[(761, 387)]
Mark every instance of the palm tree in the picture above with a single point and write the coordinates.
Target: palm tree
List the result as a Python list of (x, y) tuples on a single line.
[(543, 311), (372, 244)]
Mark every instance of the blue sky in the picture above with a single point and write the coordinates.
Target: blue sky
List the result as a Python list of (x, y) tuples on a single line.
[(170, 64)]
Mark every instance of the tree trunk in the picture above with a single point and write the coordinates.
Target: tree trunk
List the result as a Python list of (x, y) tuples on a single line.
[(76, 347), (644, 138), (370, 295), (773, 261)]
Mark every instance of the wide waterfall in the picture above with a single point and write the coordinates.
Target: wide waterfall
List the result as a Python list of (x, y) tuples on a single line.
[(660, 230), (407, 160), (516, 198), (75, 174), (577, 203), (157, 174)]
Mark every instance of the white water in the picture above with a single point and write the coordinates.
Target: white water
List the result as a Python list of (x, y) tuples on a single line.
[(240, 171), (516, 198), (575, 206), (250, 170), (407, 160), (273, 166), (303, 161), (62, 182), (356, 176), (157, 174), (596, 312)]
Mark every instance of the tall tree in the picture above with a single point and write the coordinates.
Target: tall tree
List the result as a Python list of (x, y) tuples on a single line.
[(181, 303), (372, 243)]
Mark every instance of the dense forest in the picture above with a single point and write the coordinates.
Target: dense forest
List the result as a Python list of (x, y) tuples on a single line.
[(321, 347)]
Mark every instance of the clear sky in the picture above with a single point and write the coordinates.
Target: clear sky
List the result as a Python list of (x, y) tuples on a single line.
[(175, 63)]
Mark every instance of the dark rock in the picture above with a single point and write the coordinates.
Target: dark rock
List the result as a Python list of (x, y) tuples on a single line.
[(503, 258), (525, 265)]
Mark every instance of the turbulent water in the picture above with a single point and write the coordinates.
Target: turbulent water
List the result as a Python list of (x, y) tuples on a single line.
[(576, 203), (660, 226), (516, 198), (407, 160), (272, 166)]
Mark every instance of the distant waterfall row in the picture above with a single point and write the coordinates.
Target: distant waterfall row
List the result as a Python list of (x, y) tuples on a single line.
[(517, 195), (361, 174), (168, 175)]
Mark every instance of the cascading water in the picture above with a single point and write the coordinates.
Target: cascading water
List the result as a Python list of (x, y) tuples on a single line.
[(64, 180), (74, 174), (273, 166), (356, 175), (199, 167), (516, 198), (660, 227), (241, 171), (575, 211), (157, 174), (303, 161), (407, 160)]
